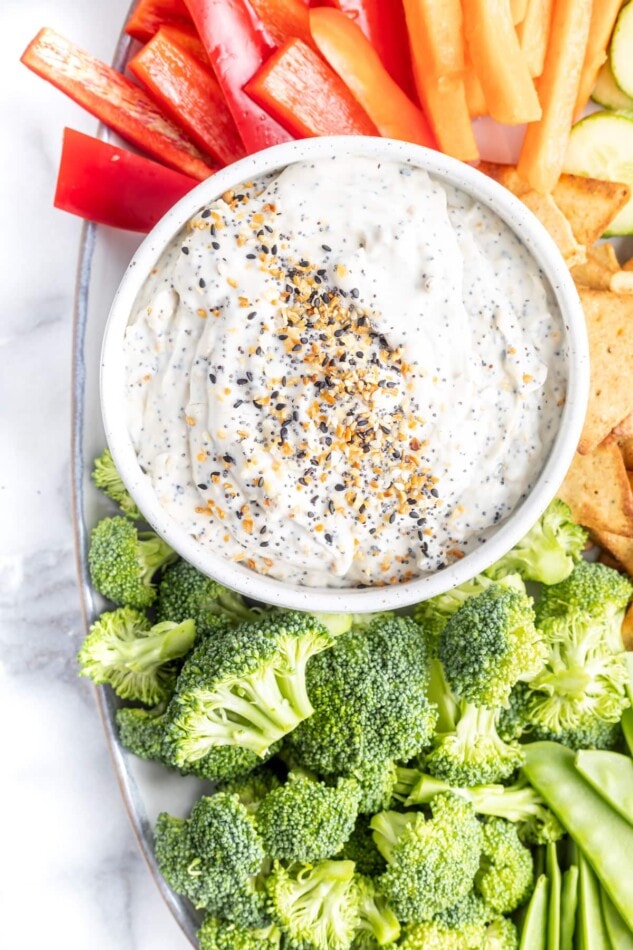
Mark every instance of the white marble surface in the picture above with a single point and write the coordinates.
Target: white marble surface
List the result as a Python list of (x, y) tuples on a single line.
[(71, 875)]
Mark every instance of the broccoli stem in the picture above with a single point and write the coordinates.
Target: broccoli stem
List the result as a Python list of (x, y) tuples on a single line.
[(167, 641)]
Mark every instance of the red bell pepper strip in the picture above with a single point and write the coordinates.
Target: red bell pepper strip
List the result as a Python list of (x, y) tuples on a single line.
[(301, 91), (351, 55), (187, 38), (115, 100), (383, 23), (189, 93), (148, 16), (112, 186), (284, 19), (237, 45)]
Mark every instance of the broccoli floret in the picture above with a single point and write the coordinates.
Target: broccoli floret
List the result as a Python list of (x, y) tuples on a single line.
[(548, 551), (490, 644), (378, 924), (134, 657), (459, 927), (316, 906), (251, 789), (218, 934), (376, 780), (142, 732), (431, 863), (369, 694), (214, 858), (123, 561), (506, 874), (433, 614), (245, 689), (519, 803), (594, 589), (185, 592), (107, 479), (582, 686), (305, 820), (361, 848), (500, 934)]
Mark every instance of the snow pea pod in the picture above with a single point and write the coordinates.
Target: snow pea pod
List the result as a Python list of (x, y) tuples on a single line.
[(553, 913), (592, 933), (534, 930), (619, 934), (611, 775), (605, 838), (568, 905)]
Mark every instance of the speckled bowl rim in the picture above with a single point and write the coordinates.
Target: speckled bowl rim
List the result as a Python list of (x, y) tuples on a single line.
[(359, 600)]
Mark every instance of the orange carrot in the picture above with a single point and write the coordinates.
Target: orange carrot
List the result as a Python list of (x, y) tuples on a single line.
[(499, 63), (518, 8), (604, 13), (543, 152), (533, 33), (474, 93), (437, 51), (345, 47)]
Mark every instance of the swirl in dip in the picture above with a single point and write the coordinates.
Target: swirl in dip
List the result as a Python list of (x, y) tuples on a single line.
[(344, 374)]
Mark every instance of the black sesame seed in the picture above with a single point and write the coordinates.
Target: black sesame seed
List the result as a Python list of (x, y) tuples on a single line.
[(229, 459), (203, 486), (215, 245), (202, 282), (206, 213), (185, 250), (339, 487), (326, 247)]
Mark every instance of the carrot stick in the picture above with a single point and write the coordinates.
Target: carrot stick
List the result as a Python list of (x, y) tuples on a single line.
[(533, 33), (604, 13), (474, 93), (518, 8), (543, 153), (499, 63), (437, 51), (350, 54)]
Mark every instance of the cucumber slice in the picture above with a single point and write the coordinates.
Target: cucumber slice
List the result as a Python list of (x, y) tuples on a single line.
[(607, 93), (621, 45), (601, 146)]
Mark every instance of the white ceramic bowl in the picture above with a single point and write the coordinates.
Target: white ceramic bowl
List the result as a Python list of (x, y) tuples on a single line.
[(282, 593)]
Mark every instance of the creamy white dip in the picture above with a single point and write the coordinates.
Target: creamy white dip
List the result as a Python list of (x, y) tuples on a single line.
[(346, 373)]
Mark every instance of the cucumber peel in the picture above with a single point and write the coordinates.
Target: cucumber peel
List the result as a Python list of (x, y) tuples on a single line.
[(607, 93), (601, 146), (620, 52)]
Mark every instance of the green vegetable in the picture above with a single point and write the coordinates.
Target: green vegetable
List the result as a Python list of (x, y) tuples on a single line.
[(107, 479), (361, 848), (123, 561), (378, 925), (579, 696), (593, 589), (433, 614), (221, 935), (607, 93), (501, 934), (245, 689), (627, 728), (620, 937), (518, 803), (604, 836), (489, 644), (142, 732), (592, 933), (568, 906), (376, 780), (251, 789), (620, 50), (534, 930), (473, 752), (213, 858), (555, 887), (306, 820), (185, 592), (611, 775), (460, 927), (316, 905), (431, 863), (134, 657), (505, 878), (369, 694), (548, 551)]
